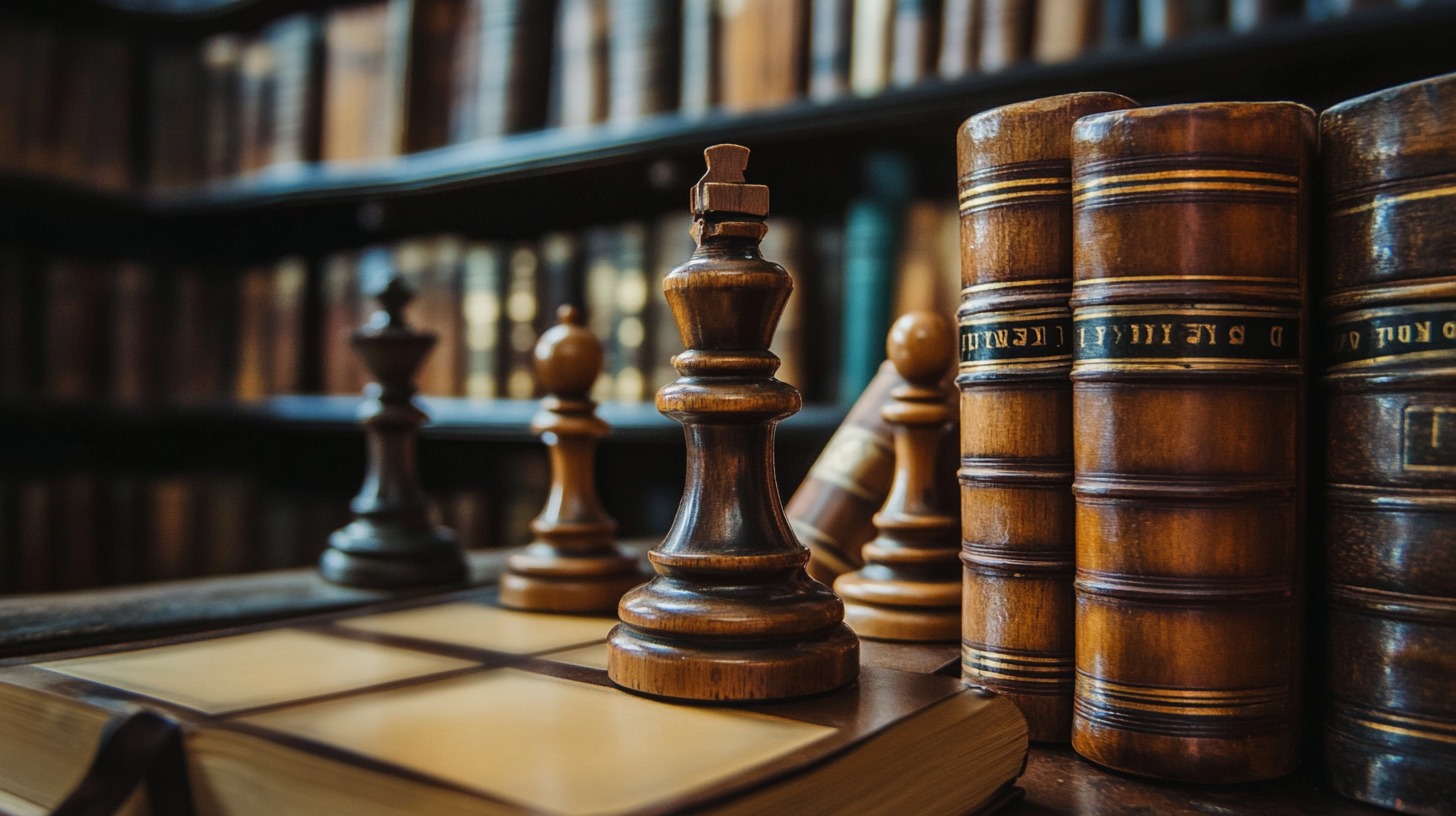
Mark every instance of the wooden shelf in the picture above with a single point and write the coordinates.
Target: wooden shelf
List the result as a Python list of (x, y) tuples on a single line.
[(563, 179)]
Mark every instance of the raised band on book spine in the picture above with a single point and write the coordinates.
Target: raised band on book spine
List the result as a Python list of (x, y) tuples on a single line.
[(1390, 504), (1015, 180), (1188, 379)]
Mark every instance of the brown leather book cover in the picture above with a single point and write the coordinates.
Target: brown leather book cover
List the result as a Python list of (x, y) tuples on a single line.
[(833, 509), (1390, 504), (74, 358), (643, 61), (443, 65), (286, 364), (252, 373), (175, 103), (136, 333), (256, 76), (514, 63), (342, 371), (580, 72), (364, 98), (1189, 376), (221, 56), (1064, 29), (960, 36), (1006, 32), (763, 48), (915, 41), (1163, 21), (1017, 541)]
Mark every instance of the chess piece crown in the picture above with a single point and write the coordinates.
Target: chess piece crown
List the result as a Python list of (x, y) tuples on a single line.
[(731, 615)]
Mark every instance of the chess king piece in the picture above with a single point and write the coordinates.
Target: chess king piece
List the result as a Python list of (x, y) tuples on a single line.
[(392, 541), (574, 565), (910, 585), (731, 615)]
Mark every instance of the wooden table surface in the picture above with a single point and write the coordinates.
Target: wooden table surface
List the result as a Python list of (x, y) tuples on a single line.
[(1057, 781)]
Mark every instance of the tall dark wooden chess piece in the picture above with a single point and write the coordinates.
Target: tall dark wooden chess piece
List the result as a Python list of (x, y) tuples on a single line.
[(732, 614), (910, 585), (574, 564), (392, 541)]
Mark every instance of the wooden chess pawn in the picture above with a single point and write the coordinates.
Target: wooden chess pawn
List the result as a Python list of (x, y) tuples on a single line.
[(574, 565), (392, 541), (910, 585), (731, 615)]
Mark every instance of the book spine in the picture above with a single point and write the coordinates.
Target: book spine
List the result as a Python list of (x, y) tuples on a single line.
[(700, 57), (439, 31), (1017, 541), (521, 309), (829, 48), (959, 36), (915, 37), (580, 80), (1006, 30), (643, 62), (872, 228), (1188, 322), (293, 42), (481, 304), (514, 62), (1390, 502), (832, 511), (871, 41)]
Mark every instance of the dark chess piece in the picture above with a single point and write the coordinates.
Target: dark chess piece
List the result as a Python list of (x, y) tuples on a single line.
[(731, 614), (392, 541), (910, 585), (574, 565)]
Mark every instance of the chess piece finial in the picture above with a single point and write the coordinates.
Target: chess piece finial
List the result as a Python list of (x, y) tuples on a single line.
[(731, 615), (393, 541), (574, 565), (910, 585)]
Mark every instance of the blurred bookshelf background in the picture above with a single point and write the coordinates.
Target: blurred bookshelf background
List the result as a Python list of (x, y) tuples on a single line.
[(195, 193)]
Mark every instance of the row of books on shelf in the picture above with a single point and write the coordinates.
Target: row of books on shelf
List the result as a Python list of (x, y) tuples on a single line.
[(373, 80), (90, 528), (130, 333)]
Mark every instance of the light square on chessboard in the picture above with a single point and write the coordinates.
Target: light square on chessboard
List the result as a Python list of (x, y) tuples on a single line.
[(479, 626), (247, 671), (546, 743), (591, 657)]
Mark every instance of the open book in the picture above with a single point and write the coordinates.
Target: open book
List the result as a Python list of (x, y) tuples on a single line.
[(456, 706)]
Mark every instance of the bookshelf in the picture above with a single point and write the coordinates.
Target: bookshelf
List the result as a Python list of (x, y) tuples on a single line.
[(526, 184)]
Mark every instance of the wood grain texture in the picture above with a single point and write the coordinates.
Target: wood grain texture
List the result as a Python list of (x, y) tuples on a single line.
[(731, 614), (1015, 181), (1189, 300), (1390, 382), (909, 587), (574, 564)]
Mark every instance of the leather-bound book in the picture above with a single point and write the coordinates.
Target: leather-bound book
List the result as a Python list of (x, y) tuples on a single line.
[(643, 63), (175, 146), (701, 77), (915, 41), (1188, 322), (444, 43), (960, 34), (1006, 30), (1064, 29), (364, 95), (763, 49), (1015, 179), (514, 64), (1390, 504), (579, 72), (830, 23), (833, 510)]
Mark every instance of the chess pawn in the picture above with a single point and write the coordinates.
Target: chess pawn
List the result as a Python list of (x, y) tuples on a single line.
[(731, 615), (910, 585), (574, 565), (392, 541)]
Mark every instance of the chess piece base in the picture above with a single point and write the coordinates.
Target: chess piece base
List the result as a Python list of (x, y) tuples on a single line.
[(541, 580), (376, 557), (918, 611), (739, 671)]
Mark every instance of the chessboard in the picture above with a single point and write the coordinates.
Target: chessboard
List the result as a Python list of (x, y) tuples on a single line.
[(453, 704)]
